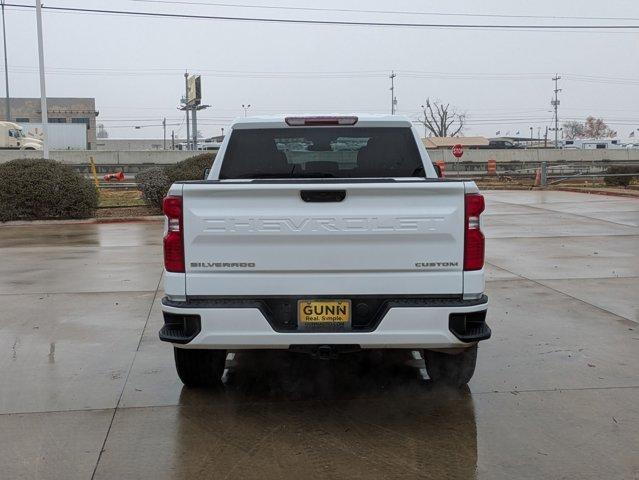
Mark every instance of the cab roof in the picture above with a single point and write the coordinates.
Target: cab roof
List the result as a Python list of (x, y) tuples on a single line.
[(280, 121)]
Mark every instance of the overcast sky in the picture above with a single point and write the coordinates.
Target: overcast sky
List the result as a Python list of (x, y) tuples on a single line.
[(134, 66)]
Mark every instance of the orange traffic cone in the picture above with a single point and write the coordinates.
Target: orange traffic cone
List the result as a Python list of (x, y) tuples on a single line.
[(491, 166), (538, 178), (119, 176)]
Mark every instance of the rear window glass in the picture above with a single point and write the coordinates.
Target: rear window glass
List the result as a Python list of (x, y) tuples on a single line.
[(322, 152)]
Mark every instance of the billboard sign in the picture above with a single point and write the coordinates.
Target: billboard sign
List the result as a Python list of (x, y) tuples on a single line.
[(193, 90)]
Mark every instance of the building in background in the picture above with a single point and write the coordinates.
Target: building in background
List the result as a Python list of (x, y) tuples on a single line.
[(449, 142), (146, 144), (60, 111), (131, 144)]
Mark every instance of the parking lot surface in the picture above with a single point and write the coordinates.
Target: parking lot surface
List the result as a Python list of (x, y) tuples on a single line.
[(88, 391)]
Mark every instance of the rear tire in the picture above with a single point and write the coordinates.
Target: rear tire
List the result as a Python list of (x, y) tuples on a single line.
[(199, 368), (452, 369)]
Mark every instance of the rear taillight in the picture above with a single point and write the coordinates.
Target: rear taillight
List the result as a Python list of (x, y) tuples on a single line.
[(174, 238), (473, 238)]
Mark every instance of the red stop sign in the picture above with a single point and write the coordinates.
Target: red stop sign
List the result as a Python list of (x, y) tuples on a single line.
[(458, 151)]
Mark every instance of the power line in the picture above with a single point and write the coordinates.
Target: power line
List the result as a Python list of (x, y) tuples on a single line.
[(348, 23), (84, 71), (385, 12)]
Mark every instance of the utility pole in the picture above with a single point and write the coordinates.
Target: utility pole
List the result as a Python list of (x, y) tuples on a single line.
[(164, 128), (555, 104), (43, 90), (392, 89), (194, 125), (195, 109), (186, 109), (172, 139), (188, 129), (6, 67)]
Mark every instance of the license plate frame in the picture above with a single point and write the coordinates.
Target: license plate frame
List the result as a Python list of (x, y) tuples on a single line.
[(335, 315)]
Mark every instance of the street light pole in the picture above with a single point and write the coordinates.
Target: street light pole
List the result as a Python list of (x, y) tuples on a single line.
[(392, 90), (6, 67), (246, 107), (425, 128), (43, 90)]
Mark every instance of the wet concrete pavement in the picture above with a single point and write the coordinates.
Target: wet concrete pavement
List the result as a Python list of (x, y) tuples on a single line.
[(88, 391)]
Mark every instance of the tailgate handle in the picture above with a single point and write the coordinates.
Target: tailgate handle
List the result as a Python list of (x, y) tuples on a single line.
[(323, 196)]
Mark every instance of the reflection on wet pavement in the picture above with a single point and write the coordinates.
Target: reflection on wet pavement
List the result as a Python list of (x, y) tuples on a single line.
[(286, 415)]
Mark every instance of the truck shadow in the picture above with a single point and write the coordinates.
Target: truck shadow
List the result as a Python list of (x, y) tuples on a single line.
[(371, 415)]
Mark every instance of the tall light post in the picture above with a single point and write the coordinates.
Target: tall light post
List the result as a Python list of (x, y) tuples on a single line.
[(6, 67), (425, 127), (43, 90), (246, 107)]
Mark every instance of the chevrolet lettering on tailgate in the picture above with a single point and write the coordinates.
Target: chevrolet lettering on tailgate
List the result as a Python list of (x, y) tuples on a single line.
[(319, 224)]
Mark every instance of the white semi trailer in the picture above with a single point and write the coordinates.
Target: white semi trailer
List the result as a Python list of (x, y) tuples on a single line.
[(13, 137)]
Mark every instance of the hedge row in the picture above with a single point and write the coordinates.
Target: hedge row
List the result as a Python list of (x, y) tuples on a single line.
[(35, 189)]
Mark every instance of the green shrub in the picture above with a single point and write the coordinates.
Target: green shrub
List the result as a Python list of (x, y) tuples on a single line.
[(35, 189), (154, 182), (621, 181), (190, 169)]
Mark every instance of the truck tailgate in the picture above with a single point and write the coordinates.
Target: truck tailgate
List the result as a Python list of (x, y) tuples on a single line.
[(260, 239)]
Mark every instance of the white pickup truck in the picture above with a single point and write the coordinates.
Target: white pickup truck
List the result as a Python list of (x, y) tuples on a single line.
[(325, 235)]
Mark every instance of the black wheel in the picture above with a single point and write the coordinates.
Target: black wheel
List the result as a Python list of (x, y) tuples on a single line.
[(452, 369), (199, 368)]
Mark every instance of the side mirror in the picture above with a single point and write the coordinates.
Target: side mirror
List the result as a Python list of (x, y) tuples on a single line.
[(206, 173), (438, 170)]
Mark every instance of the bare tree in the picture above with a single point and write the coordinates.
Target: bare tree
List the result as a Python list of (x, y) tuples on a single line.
[(573, 129), (442, 120), (597, 128), (592, 128)]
